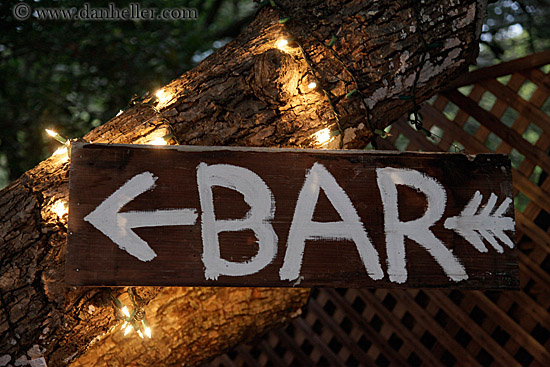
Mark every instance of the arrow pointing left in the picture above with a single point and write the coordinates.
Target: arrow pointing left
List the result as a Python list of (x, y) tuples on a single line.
[(118, 226)]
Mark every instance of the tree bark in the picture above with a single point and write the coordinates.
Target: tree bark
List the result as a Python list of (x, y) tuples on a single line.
[(248, 93)]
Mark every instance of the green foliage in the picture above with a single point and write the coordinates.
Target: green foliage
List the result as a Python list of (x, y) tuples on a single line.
[(516, 157), (492, 142), (514, 28), (471, 126), (401, 142), (75, 75), (520, 202)]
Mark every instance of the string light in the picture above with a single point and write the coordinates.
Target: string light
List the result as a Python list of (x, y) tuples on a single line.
[(60, 208), (163, 97), (323, 136), (134, 320), (62, 140), (119, 113), (125, 311), (281, 44), (284, 17), (129, 328), (158, 141), (162, 140), (56, 136), (61, 150), (147, 331)]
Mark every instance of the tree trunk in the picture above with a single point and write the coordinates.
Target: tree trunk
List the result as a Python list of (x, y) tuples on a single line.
[(248, 93)]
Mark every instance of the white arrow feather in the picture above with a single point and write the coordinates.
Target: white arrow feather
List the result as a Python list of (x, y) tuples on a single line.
[(483, 225), (118, 226)]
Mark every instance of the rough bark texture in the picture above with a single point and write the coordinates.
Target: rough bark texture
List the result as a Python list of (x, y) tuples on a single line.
[(248, 93)]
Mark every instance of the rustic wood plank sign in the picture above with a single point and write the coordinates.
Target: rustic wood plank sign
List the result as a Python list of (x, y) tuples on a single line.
[(222, 216)]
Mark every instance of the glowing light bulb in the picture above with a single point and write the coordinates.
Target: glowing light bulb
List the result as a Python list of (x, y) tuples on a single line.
[(51, 133), (163, 97), (148, 332), (281, 44), (125, 311), (61, 154), (60, 208), (61, 150), (56, 136), (312, 85), (140, 334), (128, 329), (323, 136), (158, 141)]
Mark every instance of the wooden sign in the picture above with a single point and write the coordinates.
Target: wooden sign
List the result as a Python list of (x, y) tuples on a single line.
[(222, 216)]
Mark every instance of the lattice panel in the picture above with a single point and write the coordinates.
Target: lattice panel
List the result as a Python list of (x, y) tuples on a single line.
[(503, 109)]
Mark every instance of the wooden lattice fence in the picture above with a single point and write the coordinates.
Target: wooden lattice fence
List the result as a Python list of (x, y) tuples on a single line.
[(504, 109)]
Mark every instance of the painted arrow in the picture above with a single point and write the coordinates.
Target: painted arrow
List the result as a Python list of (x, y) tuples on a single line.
[(483, 225), (118, 226)]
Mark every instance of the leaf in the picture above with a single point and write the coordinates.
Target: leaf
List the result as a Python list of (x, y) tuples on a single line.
[(483, 225)]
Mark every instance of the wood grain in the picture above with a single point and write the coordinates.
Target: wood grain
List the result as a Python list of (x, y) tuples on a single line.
[(99, 170)]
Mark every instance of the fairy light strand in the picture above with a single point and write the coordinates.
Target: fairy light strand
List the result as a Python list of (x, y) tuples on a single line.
[(283, 19), (56, 136), (66, 148), (163, 97), (326, 92), (135, 319), (158, 141), (338, 58), (415, 117), (318, 83), (147, 101), (60, 208), (282, 44)]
